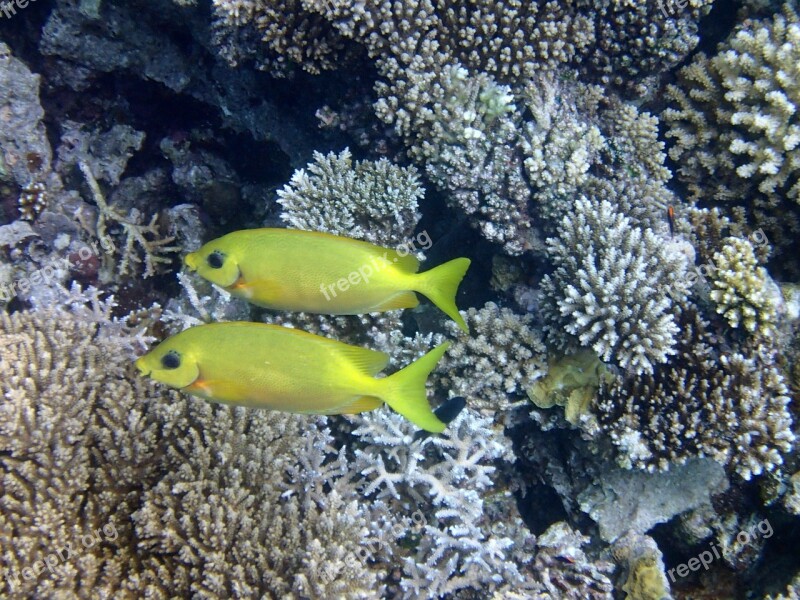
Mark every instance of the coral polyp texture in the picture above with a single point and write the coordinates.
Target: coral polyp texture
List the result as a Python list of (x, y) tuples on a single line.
[(613, 287), (734, 124)]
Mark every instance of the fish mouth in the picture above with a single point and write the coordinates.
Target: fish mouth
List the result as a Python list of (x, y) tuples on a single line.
[(190, 260), (142, 369)]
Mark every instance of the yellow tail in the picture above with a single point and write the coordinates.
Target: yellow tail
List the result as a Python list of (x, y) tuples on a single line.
[(405, 391), (440, 285)]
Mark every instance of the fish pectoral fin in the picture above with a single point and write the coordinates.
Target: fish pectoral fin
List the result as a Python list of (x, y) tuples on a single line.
[(266, 288), (365, 360), (406, 263), (359, 405), (402, 300)]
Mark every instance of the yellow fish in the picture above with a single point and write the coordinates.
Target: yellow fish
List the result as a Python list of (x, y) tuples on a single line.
[(268, 366), (289, 269)]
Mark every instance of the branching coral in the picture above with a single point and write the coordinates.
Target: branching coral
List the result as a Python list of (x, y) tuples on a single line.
[(448, 479), (501, 359), (731, 406), (113, 487), (511, 162), (611, 288), (146, 237), (735, 117), (372, 201), (277, 34), (514, 40), (462, 128), (742, 290)]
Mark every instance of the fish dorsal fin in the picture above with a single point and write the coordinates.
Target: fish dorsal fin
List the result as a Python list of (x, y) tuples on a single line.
[(365, 360), (359, 405), (401, 300), (407, 263)]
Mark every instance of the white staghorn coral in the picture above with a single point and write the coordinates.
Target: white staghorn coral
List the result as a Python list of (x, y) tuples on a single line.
[(612, 287), (446, 478)]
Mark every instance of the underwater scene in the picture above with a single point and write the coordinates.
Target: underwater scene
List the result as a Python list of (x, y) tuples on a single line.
[(400, 299)]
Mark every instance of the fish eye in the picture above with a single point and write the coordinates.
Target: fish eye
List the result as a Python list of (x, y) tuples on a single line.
[(171, 360), (216, 259)]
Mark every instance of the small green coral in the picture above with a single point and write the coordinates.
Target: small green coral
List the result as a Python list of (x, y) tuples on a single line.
[(742, 290), (572, 382), (645, 580)]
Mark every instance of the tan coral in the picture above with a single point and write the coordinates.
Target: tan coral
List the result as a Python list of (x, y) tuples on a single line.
[(741, 289), (111, 487)]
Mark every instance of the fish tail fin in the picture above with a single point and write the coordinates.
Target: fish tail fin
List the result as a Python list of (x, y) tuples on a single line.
[(440, 285), (405, 391)]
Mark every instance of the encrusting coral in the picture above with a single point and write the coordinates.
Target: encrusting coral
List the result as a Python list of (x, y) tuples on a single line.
[(112, 486), (612, 288)]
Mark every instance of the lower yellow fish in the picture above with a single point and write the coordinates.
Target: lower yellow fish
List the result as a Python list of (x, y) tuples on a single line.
[(268, 366), (290, 269)]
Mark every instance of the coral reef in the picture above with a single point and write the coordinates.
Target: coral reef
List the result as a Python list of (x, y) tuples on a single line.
[(656, 313), (741, 290), (276, 36), (113, 486), (498, 361), (512, 41), (583, 578), (461, 127), (448, 479)]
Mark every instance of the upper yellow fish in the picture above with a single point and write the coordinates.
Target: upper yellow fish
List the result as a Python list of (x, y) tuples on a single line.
[(268, 366), (289, 269)]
